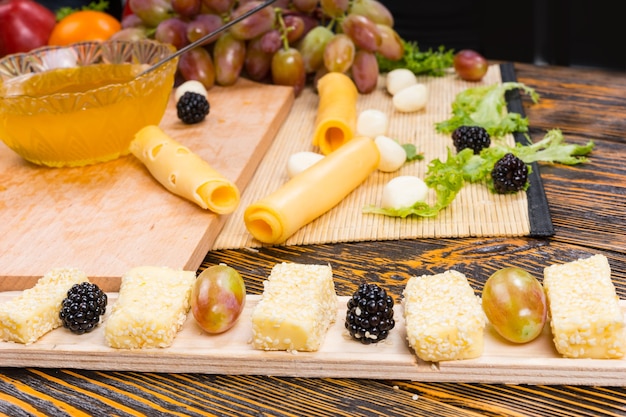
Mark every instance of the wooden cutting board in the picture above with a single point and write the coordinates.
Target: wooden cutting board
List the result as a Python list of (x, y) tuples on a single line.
[(110, 217), (231, 353)]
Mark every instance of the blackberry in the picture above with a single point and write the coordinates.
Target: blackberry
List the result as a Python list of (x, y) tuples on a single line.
[(370, 314), (473, 137), (509, 174), (192, 108), (82, 308)]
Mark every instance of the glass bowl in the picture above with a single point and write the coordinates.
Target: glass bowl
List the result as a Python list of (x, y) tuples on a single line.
[(82, 104)]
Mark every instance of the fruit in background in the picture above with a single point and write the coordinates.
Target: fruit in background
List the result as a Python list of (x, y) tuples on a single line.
[(218, 298), (24, 25), (515, 304), (470, 65), (328, 35), (84, 25)]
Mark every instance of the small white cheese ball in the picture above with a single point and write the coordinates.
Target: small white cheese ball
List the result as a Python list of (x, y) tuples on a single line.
[(399, 79), (300, 161), (392, 154), (371, 123), (404, 191), (191, 85), (411, 99)]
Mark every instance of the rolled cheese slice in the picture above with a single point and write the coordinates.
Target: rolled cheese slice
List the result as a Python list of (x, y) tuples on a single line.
[(313, 192), (336, 118), (184, 173)]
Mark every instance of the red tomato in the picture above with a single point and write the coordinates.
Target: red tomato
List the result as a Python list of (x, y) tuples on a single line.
[(84, 25)]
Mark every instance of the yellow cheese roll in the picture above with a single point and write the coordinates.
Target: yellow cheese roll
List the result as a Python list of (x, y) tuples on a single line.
[(183, 172), (312, 192)]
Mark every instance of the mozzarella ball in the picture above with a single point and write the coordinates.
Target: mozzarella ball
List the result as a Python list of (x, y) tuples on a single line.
[(192, 86), (404, 191), (392, 154), (398, 79), (300, 161), (371, 123), (411, 99)]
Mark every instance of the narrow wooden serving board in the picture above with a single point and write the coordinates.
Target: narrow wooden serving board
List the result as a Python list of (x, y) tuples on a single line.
[(230, 353), (110, 217)]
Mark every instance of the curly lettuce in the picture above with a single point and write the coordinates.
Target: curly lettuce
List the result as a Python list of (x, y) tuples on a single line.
[(486, 106), (448, 177)]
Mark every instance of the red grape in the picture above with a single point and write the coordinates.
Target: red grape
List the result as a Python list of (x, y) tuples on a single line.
[(515, 304), (202, 25), (130, 34), (253, 25), (288, 69), (365, 71), (391, 46), (306, 6), (186, 8), (257, 62), (363, 32), (197, 64), (470, 65), (339, 53), (229, 54), (172, 31), (294, 25), (271, 41), (218, 6), (218, 297)]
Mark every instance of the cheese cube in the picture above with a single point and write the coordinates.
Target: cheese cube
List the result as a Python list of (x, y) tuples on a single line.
[(151, 308), (444, 318), (296, 310), (35, 312), (586, 318)]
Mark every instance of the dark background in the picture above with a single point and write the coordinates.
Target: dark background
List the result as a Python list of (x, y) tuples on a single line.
[(582, 33)]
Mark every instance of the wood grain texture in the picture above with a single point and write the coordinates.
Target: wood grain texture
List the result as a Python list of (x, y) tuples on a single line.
[(109, 217), (585, 105)]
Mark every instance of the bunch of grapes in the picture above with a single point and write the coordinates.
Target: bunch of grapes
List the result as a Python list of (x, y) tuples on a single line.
[(287, 43)]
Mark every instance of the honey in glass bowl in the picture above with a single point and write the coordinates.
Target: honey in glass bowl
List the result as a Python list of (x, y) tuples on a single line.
[(85, 107)]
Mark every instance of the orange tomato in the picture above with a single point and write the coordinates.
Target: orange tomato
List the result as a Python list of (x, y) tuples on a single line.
[(84, 25)]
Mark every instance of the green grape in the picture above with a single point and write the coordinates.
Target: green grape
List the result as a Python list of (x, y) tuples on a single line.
[(339, 53), (229, 54), (334, 8), (288, 69), (363, 32), (257, 62), (374, 11), (312, 46), (365, 71), (255, 24), (197, 64), (391, 46)]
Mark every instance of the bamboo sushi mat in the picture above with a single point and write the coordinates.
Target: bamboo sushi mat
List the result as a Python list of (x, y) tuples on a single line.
[(476, 212)]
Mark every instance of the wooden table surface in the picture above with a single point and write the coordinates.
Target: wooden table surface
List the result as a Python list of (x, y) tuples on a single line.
[(588, 208)]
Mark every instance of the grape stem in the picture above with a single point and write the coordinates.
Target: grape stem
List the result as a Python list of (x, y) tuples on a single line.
[(208, 36), (283, 29)]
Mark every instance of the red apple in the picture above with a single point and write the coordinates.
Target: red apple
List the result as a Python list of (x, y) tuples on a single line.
[(470, 65), (217, 298)]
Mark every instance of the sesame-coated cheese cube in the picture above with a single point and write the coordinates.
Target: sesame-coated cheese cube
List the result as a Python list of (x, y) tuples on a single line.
[(298, 306), (444, 318), (585, 315), (35, 312), (151, 308)]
